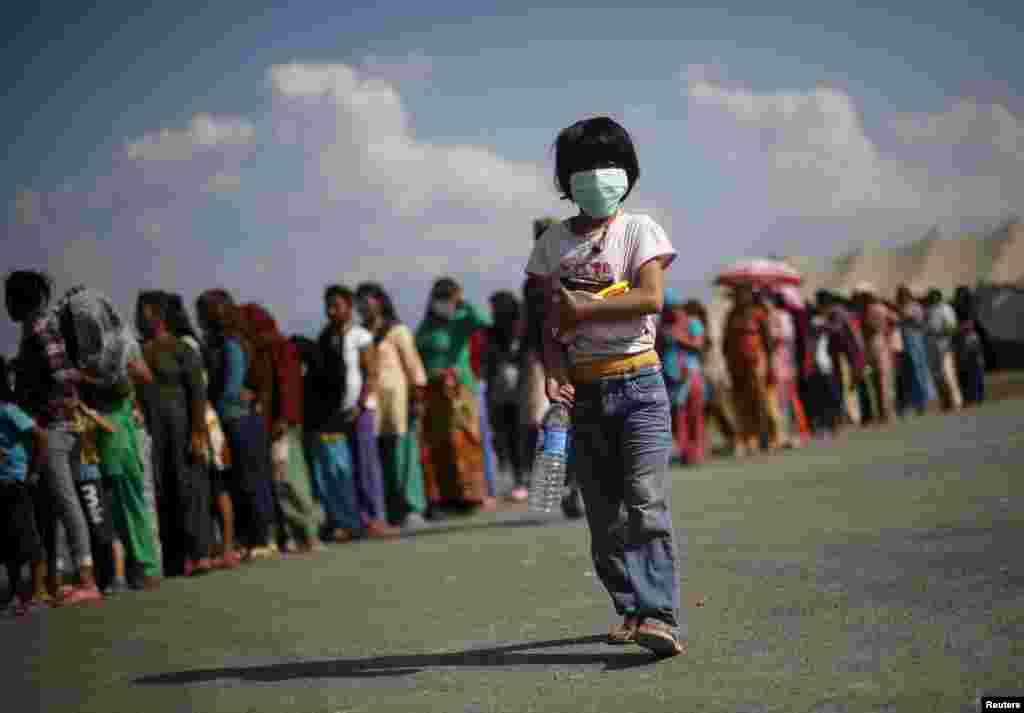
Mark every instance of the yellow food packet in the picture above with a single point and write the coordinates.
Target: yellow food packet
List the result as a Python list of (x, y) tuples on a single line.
[(619, 288)]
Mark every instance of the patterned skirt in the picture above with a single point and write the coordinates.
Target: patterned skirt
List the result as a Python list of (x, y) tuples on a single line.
[(452, 454)]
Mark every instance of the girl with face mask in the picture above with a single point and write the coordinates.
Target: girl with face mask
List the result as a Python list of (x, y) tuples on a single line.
[(453, 468), (610, 374)]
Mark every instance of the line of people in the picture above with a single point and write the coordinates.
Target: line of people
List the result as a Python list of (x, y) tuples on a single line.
[(790, 369), (196, 450), (234, 442)]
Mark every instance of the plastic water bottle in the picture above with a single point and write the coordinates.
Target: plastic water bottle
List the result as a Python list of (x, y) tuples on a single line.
[(547, 480)]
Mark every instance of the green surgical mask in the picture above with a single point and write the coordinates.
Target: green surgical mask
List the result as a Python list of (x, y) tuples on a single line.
[(599, 192)]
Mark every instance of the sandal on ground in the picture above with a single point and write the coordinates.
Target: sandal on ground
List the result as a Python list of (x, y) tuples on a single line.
[(341, 535), (624, 633), (659, 638), (81, 595), (230, 560)]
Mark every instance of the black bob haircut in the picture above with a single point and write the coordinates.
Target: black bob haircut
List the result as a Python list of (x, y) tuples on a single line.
[(598, 142), (341, 291), (444, 289)]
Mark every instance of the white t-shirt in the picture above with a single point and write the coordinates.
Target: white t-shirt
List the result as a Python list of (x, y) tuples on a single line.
[(356, 340), (631, 242)]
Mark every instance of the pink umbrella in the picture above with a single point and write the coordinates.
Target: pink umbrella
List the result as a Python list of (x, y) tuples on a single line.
[(759, 272)]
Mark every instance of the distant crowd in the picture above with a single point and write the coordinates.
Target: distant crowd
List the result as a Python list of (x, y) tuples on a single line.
[(789, 369)]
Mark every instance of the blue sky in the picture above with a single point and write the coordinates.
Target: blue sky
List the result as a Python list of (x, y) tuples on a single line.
[(790, 127)]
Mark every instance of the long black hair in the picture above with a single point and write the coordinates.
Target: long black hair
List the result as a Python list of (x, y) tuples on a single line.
[(507, 315), (387, 306), (178, 322), (155, 299), (443, 289)]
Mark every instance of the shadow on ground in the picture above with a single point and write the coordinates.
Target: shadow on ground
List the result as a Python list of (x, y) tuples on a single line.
[(514, 657)]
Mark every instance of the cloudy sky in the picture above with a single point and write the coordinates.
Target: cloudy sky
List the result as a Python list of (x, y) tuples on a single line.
[(273, 151)]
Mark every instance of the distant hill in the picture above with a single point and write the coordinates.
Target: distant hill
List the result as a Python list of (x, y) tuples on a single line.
[(931, 261)]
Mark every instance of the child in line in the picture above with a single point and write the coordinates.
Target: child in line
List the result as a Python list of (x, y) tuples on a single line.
[(94, 495), (22, 445)]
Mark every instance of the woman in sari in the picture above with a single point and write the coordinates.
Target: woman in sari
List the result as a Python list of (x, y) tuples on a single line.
[(748, 349), (401, 384), (453, 466)]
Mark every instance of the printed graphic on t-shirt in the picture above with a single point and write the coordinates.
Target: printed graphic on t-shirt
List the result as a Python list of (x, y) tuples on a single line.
[(596, 263)]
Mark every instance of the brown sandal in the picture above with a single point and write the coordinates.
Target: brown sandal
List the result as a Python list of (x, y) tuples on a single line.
[(623, 633), (658, 637)]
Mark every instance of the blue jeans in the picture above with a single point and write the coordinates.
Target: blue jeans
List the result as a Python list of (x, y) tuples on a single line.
[(621, 444), (334, 478)]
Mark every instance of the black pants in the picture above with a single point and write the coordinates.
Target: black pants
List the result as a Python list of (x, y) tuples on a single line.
[(186, 529), (509, 445), (94, 496), (19, 535), (249, 480), (821, 396)]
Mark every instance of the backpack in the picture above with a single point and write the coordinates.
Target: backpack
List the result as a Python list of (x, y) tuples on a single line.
[(96, 338)]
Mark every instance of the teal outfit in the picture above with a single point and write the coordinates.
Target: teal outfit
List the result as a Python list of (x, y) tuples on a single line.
[(444, 344), (15, 429), (121, 465)]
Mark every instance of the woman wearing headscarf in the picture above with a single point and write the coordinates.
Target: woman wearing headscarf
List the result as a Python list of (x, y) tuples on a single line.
[(176, 410), (401, 382), (454, 458), (279, 396), (228, 362)]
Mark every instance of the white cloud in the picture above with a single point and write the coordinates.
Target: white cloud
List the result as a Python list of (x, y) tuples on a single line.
[(805, 154), (398, 201), (966, 123), (203, 132)]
